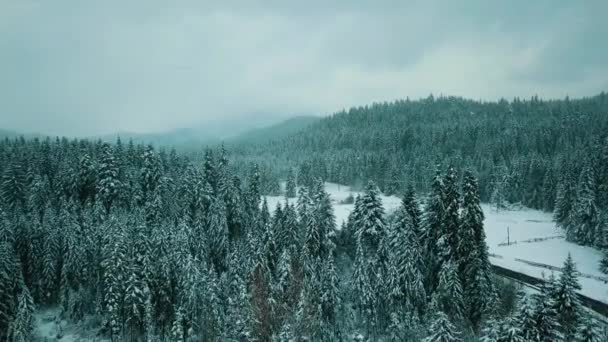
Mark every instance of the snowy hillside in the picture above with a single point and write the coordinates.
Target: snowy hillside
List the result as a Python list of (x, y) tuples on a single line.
[(533, 238)]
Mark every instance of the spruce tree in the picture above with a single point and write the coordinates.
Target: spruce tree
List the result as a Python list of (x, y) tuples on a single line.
[(13, 184), (449, 241), (442, 330), (433, 226), (370, 259), (567, 303), (405, 280), (588, 330), (218, 235), (473, 253), (290, 186), (585, 228), (410, 204), (108, 184), (546, 326), (20, 329), (449, 292)]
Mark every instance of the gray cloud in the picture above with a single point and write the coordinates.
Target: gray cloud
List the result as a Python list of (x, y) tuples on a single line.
[(84, 67)]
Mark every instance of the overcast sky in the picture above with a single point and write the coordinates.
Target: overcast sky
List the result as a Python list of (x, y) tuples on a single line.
[(80, 67)]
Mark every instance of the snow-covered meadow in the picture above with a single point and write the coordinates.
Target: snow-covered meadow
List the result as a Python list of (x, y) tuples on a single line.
[(528, 231)]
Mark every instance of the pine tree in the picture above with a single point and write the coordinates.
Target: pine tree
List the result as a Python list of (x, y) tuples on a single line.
[(410, 204), (603, 176), (9, 286), (564, 200), (433, 225), (449, 292), (150, 174), (177, 327), (20, 329), (324, 218), (588, 331), (405, 280), (567, 304), (13, 184), (449, 241), (370, 259), (261, 301), (108, 183), (86, 179), (290, 187), (442, 330), (473, 253), (218, 234), (525, 318), (502, 331), (585, 227), (546, 326), (114, 277)]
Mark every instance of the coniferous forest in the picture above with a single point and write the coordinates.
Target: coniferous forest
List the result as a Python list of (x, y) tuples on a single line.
[(146, 244)]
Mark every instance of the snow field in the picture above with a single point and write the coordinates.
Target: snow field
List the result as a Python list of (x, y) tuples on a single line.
[(522, 224)]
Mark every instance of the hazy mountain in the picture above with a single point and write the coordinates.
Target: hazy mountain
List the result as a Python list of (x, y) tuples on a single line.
[(277, 131), (227, 131), (6, 133)]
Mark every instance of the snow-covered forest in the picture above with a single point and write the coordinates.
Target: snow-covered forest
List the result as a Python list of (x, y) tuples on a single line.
[(140, 244)]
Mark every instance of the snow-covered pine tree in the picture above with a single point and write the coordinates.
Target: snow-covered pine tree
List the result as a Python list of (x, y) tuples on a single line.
[(218, 235), (433, 227), (330, 299), (324, 219), (21, 327), (150, 174), (177, 327), (108, 183), (565, 199), (502, 331), (473, 253), (270, 248), (585, 228), (371, 257), (567, 303), (449, 241), (136, 292), (406, 280), (603, 176), (290, 185), (449, 294), (210, 170), (289, 235), (546, 327), (410, 204), (85, 183), (254, 192), (114, 278), (588, 330), (13, 186), (9, 286), (442, 330), (261, 301)]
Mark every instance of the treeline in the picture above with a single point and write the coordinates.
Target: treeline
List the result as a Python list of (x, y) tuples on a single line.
[(160, 249), (543, 154)]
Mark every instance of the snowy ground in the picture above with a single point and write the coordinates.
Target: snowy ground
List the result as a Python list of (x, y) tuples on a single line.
[(49, 327), (525, 224), (533, 237)]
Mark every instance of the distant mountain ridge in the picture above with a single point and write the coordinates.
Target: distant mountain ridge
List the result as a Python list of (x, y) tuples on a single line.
[(229, 132), (277, 131)]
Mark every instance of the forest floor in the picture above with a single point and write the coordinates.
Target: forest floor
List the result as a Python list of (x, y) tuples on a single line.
[(49, 327), (520, 239)]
